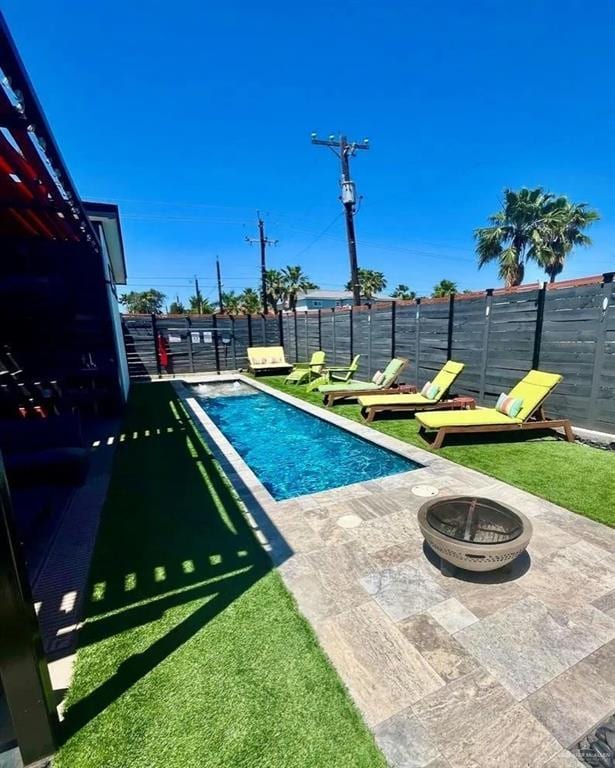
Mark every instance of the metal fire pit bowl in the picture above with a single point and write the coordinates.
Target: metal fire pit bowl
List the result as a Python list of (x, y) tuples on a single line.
[(474, 533)]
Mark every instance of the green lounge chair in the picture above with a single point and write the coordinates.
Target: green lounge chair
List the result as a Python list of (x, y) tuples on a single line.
[(354, 388), (336, 373), (444, 380), (307, 371), (533, 390)]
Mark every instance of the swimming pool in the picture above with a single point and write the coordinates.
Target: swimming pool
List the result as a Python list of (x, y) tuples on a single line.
[(290, 451)]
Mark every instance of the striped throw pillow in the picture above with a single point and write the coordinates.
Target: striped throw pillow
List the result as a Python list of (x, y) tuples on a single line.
[(509, 406), (378, 378), (430, 391)]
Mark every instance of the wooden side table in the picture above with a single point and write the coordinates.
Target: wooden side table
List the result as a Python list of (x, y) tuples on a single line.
[(462, 402)]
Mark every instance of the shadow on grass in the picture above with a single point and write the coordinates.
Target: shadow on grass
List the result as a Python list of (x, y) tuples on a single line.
[(171, 533)]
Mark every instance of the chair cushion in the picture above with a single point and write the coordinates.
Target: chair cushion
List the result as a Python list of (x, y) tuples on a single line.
[(479, 417), (412, 399)]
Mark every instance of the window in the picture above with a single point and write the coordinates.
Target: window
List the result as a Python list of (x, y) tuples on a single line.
[(316, 303)]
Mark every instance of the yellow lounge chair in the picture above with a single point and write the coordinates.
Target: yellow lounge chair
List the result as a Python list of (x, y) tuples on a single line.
[(307, 371), (353, 389), (335, 373), (267, 359), (533, 390), (444, 380)]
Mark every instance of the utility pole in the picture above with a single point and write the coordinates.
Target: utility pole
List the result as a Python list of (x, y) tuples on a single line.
[(199, 300), (345, 150), (220, 302), (263, 241)]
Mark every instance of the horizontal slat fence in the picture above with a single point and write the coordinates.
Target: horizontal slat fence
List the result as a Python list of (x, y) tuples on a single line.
[(567, 327)]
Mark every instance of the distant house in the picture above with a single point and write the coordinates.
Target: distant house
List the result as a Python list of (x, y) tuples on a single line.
[(319, 299)]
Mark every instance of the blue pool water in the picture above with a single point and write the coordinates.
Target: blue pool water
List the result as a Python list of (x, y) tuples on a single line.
[(290, 451)]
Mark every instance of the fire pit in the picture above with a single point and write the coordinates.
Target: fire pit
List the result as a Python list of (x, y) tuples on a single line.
[(474, 533)]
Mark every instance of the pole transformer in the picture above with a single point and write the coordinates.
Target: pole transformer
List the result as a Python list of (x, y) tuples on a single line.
[(263, 242), (344, 149)]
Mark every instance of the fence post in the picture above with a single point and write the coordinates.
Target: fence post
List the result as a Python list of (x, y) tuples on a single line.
[(351, 331), (319, 330), (540, 313), (307, 336), (189, 340), (451, 319), (484, 357), (155, 335), (249, 330), (393, 315), (281, 327), (369, 341), (333, 335), (296, 337), (417, 346), (233, 350), (214, 335), (606, 296)]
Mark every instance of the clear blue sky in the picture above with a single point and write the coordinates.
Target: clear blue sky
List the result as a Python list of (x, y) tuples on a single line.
[(192, 115)]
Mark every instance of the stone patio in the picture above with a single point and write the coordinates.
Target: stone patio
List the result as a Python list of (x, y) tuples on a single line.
[(474, 671)]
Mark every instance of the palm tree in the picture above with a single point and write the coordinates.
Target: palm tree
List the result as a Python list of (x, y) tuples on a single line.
[(444, 288), (566, 224), (534, 225), (516, 235), (295, 281), (371, 283), (200, 306), (249, 301), (275, 287), (403, 292), (231, 302)]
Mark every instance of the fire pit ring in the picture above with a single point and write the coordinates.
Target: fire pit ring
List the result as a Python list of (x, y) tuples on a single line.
[(474, 533)]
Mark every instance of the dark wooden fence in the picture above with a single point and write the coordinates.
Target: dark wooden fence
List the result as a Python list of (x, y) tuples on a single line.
[(567, 327)]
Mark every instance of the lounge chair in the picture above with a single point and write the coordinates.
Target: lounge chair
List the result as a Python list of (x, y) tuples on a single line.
[(335, 373), (263, 359), (443, 381), (354, 388), (532, 390), (307, 371)]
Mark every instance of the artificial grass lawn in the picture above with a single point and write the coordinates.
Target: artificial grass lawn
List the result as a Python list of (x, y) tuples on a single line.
[(193, 654), (574, 476)]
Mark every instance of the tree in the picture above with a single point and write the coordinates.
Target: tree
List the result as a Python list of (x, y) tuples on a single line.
[(274, 287), (566, 224), (143, 302), (444, 288), (533, 225), (177, 308), (231, 302), (200, 306), (403, 292), (294, 281), (370, 282), (250, 301)]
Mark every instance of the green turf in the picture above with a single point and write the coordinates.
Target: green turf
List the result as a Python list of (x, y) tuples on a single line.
[(575, 476), (193, 654)]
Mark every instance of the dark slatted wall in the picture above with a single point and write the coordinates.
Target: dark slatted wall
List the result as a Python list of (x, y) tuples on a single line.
[(510, 341), (468, 342), (433, 338), (499, 336)]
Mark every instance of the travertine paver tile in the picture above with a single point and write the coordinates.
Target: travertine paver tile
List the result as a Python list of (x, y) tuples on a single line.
[(405, 742), (526, 645), (396, 528), (564, 759), (449, 659), (452, 615), (572, 576), (547, 538), (338, 570), (403, 590), (590, 531), (382, 670), (300, 536), (579, 698), (513, 740), (484, 598), (315, 601), (462, 707), (606, 604)]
